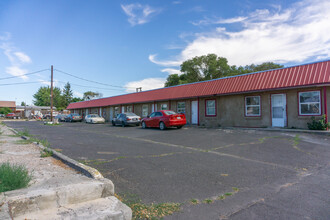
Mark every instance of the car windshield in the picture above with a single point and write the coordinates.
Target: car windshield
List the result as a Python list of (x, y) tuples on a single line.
[(130, 114), (94, 116), (170, 112)]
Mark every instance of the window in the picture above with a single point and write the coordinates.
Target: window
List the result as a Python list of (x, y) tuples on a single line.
[(210, 108), (153, 115), (129, 108), (310, 103), (252, 106), (116, 111), (158, 114), (163, 107), (181, 107), (144, 110)]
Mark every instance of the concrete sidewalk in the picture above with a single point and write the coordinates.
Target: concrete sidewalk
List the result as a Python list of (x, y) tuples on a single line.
[(56, 191)]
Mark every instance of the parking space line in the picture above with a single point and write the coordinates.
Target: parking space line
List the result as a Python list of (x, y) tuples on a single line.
[(198, 150)]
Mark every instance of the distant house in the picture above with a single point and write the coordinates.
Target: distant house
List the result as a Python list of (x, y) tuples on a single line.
[(286, 97), (8, 104)]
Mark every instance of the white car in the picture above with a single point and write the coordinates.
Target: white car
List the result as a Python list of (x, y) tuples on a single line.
[(94, 118)]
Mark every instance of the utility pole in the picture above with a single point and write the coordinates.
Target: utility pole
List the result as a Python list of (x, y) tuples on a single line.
[(51, 95)]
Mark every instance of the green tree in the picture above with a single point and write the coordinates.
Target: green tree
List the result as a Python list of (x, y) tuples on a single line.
[(23, 104), (42, 97), (211, 66), (77, 99), (91, 95), (67, 95), (5, 110)]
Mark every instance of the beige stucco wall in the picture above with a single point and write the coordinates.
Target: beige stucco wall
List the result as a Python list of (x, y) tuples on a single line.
[(230, 109)]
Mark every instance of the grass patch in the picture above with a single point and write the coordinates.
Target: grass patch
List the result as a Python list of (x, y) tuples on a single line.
[(25, 132), (46, 153), (13, 177), (222, 197), (148, 211), (296, 140), (194, 201), (22, 142), (235, 189), (228, 194), (53, 124), (208, 201)]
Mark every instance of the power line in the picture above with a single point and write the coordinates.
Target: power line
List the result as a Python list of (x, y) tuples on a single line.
[(26, 74), (89, 86), (9, 84), (90, 80)]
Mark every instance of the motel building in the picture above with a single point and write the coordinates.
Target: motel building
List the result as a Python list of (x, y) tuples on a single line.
[(286, 97)]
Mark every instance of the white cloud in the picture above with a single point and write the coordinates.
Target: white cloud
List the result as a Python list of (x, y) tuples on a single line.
[(15, 58), (78, 94), (295, 34), (23, 57), (146, 84), (152, 58), (171, 71), (139, 14), (16, 71)]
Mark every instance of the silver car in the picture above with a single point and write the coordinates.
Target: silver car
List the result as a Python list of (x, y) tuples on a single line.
[(94, 118), (126, 118)]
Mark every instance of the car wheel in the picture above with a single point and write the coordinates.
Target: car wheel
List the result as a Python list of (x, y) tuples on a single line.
[(162, 126), (138, 124), (179, 127), (144, 125), (123, 124)]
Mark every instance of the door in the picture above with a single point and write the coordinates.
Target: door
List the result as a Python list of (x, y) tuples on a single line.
[(278, 110), (122, 109), (194, 112), (111, 113)]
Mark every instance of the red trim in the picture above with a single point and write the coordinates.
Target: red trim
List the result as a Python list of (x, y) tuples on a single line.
[(260, 107), (215, 105), (321, 102)]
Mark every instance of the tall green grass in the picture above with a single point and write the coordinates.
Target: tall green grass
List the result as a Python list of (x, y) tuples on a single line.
[(13, 176)]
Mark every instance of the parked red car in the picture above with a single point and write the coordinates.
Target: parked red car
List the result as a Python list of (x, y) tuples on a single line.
[(11, 115), (164, 119)]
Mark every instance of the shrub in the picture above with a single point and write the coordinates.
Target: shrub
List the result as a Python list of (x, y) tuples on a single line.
[(5, 110), (13, 176), (318, 125)]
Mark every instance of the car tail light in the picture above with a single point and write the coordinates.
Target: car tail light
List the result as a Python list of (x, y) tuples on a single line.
[(128, 119)]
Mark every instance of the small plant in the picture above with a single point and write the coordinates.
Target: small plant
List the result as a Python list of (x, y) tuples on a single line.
[(24, 133), (228, 194), (222, 197), (46, 153), (13, 177), (208, 201), (235, 189), (148, 211), (318, 125), (194, 201)]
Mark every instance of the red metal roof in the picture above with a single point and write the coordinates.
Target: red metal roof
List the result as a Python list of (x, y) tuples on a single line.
[(9, 104), (297, 76)]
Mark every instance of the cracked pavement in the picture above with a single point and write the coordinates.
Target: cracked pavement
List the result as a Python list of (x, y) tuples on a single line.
[(279, 175)]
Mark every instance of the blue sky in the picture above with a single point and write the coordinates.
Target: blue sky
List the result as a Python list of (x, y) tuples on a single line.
[(133, 44)]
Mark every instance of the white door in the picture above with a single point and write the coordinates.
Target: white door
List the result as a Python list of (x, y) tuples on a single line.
[(278, 110), (122, 109), (111, 113), (194, 112)]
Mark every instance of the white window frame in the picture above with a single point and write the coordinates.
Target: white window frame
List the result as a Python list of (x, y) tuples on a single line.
[(207, 108), (246, 106), (129, 108), (162, 108), (319, 102), (179, 109), (145, 109)]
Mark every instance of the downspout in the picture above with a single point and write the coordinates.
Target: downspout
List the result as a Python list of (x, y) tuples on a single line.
[(325, 103)]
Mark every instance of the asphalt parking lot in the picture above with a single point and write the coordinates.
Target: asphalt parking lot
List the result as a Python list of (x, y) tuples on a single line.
[(270, 175)]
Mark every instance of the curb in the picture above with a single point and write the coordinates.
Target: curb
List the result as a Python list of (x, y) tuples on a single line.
[(280, 130), (86, 170)]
